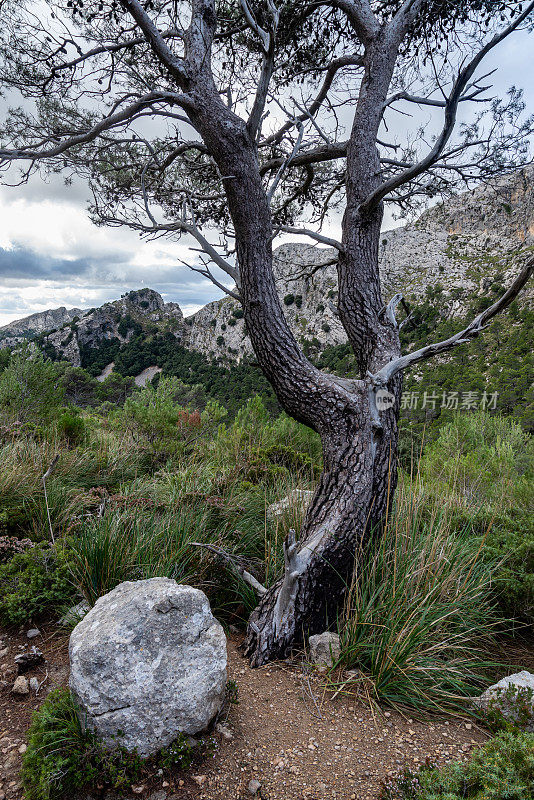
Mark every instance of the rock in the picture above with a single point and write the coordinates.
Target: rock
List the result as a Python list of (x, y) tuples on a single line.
[(254, 786), (159, 795), (199, 779), (513, 697), (74, 614), (34, 684), (149, 659), (28, 660), (225, 731), (298, 497), (33, 632), (22, 749), (21, 685), (324, 648)]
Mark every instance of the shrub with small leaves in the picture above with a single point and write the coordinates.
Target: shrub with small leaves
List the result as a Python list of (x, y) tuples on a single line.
[(10, 546), (502, 768)]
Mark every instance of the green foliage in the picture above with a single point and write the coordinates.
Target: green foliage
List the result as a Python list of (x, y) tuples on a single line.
[(94, 359), (503, 769), (484, 465), (289, 299), (35, 583), (71, 426), (510, 708), (419, 613), (63, 758), (30, 387), (137, 543)]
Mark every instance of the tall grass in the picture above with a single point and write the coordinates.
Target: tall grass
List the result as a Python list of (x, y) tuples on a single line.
[(419, 619), (132, 546)]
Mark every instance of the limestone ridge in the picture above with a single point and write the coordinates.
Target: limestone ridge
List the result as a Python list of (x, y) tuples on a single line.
[(467, 244)]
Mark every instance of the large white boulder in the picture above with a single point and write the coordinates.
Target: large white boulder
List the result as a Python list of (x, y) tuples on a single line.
[(148, 662), (513, 697)]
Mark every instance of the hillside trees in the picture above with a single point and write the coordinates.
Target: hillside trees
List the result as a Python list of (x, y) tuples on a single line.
[(225, 121)]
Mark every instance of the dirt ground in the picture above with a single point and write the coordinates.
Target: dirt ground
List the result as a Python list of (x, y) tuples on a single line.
[(286, 733)]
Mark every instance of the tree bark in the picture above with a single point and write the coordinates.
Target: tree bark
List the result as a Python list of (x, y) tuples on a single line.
[(358, 434)]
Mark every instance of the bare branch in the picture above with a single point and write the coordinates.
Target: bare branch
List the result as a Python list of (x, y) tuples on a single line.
[(319, 237), (451, 107), (155, 39), (383, 376), (315, 156), (333, 68), (234, 563), (105, 124), (285, 164)]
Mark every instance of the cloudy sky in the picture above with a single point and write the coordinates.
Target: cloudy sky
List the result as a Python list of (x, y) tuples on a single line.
[(51, 255)]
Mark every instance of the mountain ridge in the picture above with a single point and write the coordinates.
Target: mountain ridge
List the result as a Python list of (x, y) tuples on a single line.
[(470, 243)]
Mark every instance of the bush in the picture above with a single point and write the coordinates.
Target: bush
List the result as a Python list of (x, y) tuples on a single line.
[(419, 613), (71, 427), (484, 464), (132, 545), (63, 758), (30, 387), (502, 769), (35, 583)]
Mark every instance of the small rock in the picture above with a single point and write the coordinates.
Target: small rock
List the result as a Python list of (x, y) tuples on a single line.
[(513, 697), (28, 660), (22, 749), (33, 632), (4, 652), (298, 498), (138, 789), (199, 779), (324, 648), (159, 795), (254, 786), (21, 685), (225, 732), (34, 684), (74, 614)]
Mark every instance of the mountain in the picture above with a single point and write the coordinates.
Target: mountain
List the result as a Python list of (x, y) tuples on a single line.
[(467, 248), (37, 323)]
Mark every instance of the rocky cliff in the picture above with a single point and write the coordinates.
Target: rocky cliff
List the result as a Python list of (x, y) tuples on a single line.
[(468, 245)]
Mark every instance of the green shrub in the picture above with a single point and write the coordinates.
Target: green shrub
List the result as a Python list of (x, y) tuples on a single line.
[(484, 463), (71, 427), (30, 387), (35, 583), (63, 758), (503, 769), (132, 545), (289, 299)]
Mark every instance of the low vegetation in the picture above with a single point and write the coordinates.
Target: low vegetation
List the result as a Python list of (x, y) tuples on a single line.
[(503, 768), (62, 757), (149, 483)]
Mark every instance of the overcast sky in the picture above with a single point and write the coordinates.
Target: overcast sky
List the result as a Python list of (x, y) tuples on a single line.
[(51, 255)]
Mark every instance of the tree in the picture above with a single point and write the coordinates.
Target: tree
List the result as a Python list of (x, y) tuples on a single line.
[(188, 117), (30, 387)]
